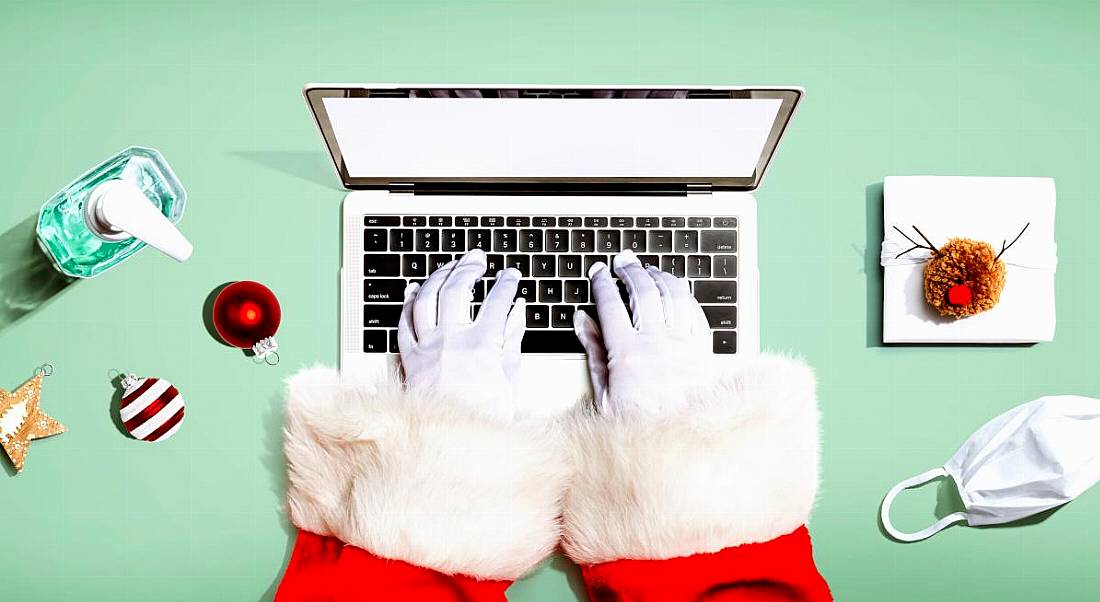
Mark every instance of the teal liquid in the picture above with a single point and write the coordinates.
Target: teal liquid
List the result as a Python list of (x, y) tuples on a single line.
[(65, 237)]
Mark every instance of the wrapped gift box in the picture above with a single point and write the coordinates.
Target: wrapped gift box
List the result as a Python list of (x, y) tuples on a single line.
[(986, 209)]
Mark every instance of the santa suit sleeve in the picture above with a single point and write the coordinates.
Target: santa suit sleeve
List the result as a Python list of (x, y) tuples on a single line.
[(403, 496), (707, 503)]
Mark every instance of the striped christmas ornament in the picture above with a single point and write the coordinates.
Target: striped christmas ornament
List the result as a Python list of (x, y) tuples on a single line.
[(151, 408)]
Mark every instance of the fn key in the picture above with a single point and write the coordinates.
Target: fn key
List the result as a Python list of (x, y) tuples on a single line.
[(725, 341), (374, 341)]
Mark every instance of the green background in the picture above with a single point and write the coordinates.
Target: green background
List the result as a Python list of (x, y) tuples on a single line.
[(981, 88)]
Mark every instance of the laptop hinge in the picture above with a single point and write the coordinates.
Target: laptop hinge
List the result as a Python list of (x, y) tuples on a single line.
[(550, 188)]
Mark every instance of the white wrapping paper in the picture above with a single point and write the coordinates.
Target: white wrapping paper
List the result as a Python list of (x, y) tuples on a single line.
[(988, 209)]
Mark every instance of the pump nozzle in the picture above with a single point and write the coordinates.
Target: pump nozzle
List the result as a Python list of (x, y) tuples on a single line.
[(117, 209)]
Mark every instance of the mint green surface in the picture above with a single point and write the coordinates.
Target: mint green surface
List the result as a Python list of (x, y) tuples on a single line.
[(981, 88)]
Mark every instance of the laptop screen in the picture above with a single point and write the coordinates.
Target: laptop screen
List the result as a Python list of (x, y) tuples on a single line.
[(629, 135)]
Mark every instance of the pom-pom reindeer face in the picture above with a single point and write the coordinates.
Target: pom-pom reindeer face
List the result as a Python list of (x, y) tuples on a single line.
[(963, 277)]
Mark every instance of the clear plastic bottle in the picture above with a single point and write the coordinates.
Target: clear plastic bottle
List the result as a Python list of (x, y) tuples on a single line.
[(111, 212)]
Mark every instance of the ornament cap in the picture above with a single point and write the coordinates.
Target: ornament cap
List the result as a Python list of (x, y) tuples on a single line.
[(129, 381)]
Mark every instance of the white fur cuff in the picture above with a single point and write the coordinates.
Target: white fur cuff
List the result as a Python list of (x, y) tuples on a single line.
[(739, 466), (421, 480)]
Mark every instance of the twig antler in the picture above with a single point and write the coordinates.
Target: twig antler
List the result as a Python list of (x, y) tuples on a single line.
[(1009, 245), (916, 245)]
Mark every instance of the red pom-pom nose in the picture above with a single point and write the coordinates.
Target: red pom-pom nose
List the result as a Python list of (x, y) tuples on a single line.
[(959, 295)]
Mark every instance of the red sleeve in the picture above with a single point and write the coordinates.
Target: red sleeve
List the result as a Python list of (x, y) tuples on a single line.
[(323, 568), (780, 570), (707, 503), (401, 495)]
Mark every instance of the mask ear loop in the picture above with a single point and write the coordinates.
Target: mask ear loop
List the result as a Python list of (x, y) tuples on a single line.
[(927, 532)]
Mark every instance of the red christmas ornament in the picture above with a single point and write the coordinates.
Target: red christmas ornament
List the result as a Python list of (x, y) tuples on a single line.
[(959, 294), (246, 314)]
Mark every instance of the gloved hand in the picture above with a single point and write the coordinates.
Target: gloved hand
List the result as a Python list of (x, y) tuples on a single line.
[(651, 360), (445, 352)]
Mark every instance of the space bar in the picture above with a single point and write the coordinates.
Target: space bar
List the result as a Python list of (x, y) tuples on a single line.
[(551, 341)]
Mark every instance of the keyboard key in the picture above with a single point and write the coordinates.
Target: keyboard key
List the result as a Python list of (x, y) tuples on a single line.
[(725, 222), (591, 311), (672, 222), (440, 221), (583, 241), (725, 266), (609, 241), (538, 316), (543, 266), (686, 241), (415, 221), (561, 316), (673, 264), (544, 222), (518, 222), (394, 346), (660, 241), (374, 341), (527, 290), (569, 265), (427, 240), (622, 222), (414, 265), (595, 222), (589, 260), (551, 341), (493, 264), (520, 262), (454, 241), (479, 291), (576, 291), (437, 261), (647, 222), (381, 220), (725, 341), (530, 241), (478, 239), (466, 221), (698, 222), (374, 239), (492, 221), (635, 240), (715, 291), (557, 241), (504, 241), (401, 240), (384, 290), (718, 241), (381, 265), (550, 291), (377, 315), (721, 316), (698, 266), (650, 260), (569, 222)]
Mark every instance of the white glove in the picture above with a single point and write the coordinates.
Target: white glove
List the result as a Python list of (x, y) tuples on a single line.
[(650, 364), (445, 352)]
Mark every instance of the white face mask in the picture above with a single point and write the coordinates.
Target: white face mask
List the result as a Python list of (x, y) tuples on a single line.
[(1032, 458)]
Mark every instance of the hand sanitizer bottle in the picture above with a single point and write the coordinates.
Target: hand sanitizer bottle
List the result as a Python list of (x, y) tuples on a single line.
[(111, 212)]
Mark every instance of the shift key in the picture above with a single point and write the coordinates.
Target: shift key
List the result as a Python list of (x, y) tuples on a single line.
[(384, 290), (716, 291), (379, 316)]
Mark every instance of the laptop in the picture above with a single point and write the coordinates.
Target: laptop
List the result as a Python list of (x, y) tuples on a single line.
[(548, 180)]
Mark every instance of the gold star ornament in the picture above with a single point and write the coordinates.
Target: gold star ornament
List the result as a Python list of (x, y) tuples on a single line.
[(21, 420)]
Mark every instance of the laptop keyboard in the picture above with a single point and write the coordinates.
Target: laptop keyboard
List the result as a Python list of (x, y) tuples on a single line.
[(553, 253)]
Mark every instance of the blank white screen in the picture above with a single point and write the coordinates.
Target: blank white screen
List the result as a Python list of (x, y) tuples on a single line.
[(568, 138)]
